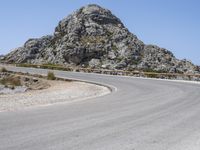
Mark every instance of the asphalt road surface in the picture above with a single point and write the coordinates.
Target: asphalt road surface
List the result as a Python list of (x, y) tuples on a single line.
[(140, 114)]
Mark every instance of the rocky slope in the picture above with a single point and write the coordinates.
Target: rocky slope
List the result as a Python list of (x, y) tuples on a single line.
[(93, 37)]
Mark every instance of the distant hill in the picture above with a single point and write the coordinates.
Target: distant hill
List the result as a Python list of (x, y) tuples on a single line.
[(93, 37)]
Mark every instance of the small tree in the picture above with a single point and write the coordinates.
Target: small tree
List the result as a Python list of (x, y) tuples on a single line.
[(51, 76)]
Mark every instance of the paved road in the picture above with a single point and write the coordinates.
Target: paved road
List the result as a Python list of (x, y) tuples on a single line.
[(142, 114)]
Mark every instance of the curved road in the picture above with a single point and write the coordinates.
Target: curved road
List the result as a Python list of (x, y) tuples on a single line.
[(143, 114)]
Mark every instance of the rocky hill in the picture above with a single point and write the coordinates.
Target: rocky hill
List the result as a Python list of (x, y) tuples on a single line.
[(93, 37)]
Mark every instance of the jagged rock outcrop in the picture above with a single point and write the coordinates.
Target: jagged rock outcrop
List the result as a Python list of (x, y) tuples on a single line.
[(30, 51), (162, 60), (92, 36)]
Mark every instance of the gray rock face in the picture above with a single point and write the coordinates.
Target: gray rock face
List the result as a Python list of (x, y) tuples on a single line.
[(93, 63), (160, 59), (93, 36), (30, 51)]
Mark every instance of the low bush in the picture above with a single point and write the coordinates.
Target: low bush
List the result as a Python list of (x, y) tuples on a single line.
[(12, 81), (51, 76), (3, 69), (151, 75)]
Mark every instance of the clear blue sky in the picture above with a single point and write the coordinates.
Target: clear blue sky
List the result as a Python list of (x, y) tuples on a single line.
[(172, 24)]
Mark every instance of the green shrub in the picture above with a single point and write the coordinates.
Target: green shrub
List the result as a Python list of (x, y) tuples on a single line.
[(26, 65), (51, 76)]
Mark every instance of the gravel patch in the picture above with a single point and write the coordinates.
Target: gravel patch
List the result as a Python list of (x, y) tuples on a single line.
[(18, 89), (59, 91)]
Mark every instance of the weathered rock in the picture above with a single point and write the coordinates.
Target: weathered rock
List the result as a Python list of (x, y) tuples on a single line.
[(93, 36), (162, 60), (94, 63), (30, 51)]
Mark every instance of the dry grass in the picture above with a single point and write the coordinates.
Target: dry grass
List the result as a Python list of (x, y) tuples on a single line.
[(11, 81), (3, 69)]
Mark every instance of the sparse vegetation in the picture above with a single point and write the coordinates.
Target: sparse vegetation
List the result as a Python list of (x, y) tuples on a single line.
[(11, 81), (135, 62), (27, 65), (3, 69), (151, 75), (143, 72), (93, 39), (119, 58), (154, 71), (46, 66), (51, 76), (109, 34), (114, 47)]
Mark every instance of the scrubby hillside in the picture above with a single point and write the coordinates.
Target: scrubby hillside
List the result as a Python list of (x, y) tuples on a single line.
[(93, 37)]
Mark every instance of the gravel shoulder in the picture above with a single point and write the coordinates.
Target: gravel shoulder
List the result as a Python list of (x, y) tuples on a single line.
[(59, 91)]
